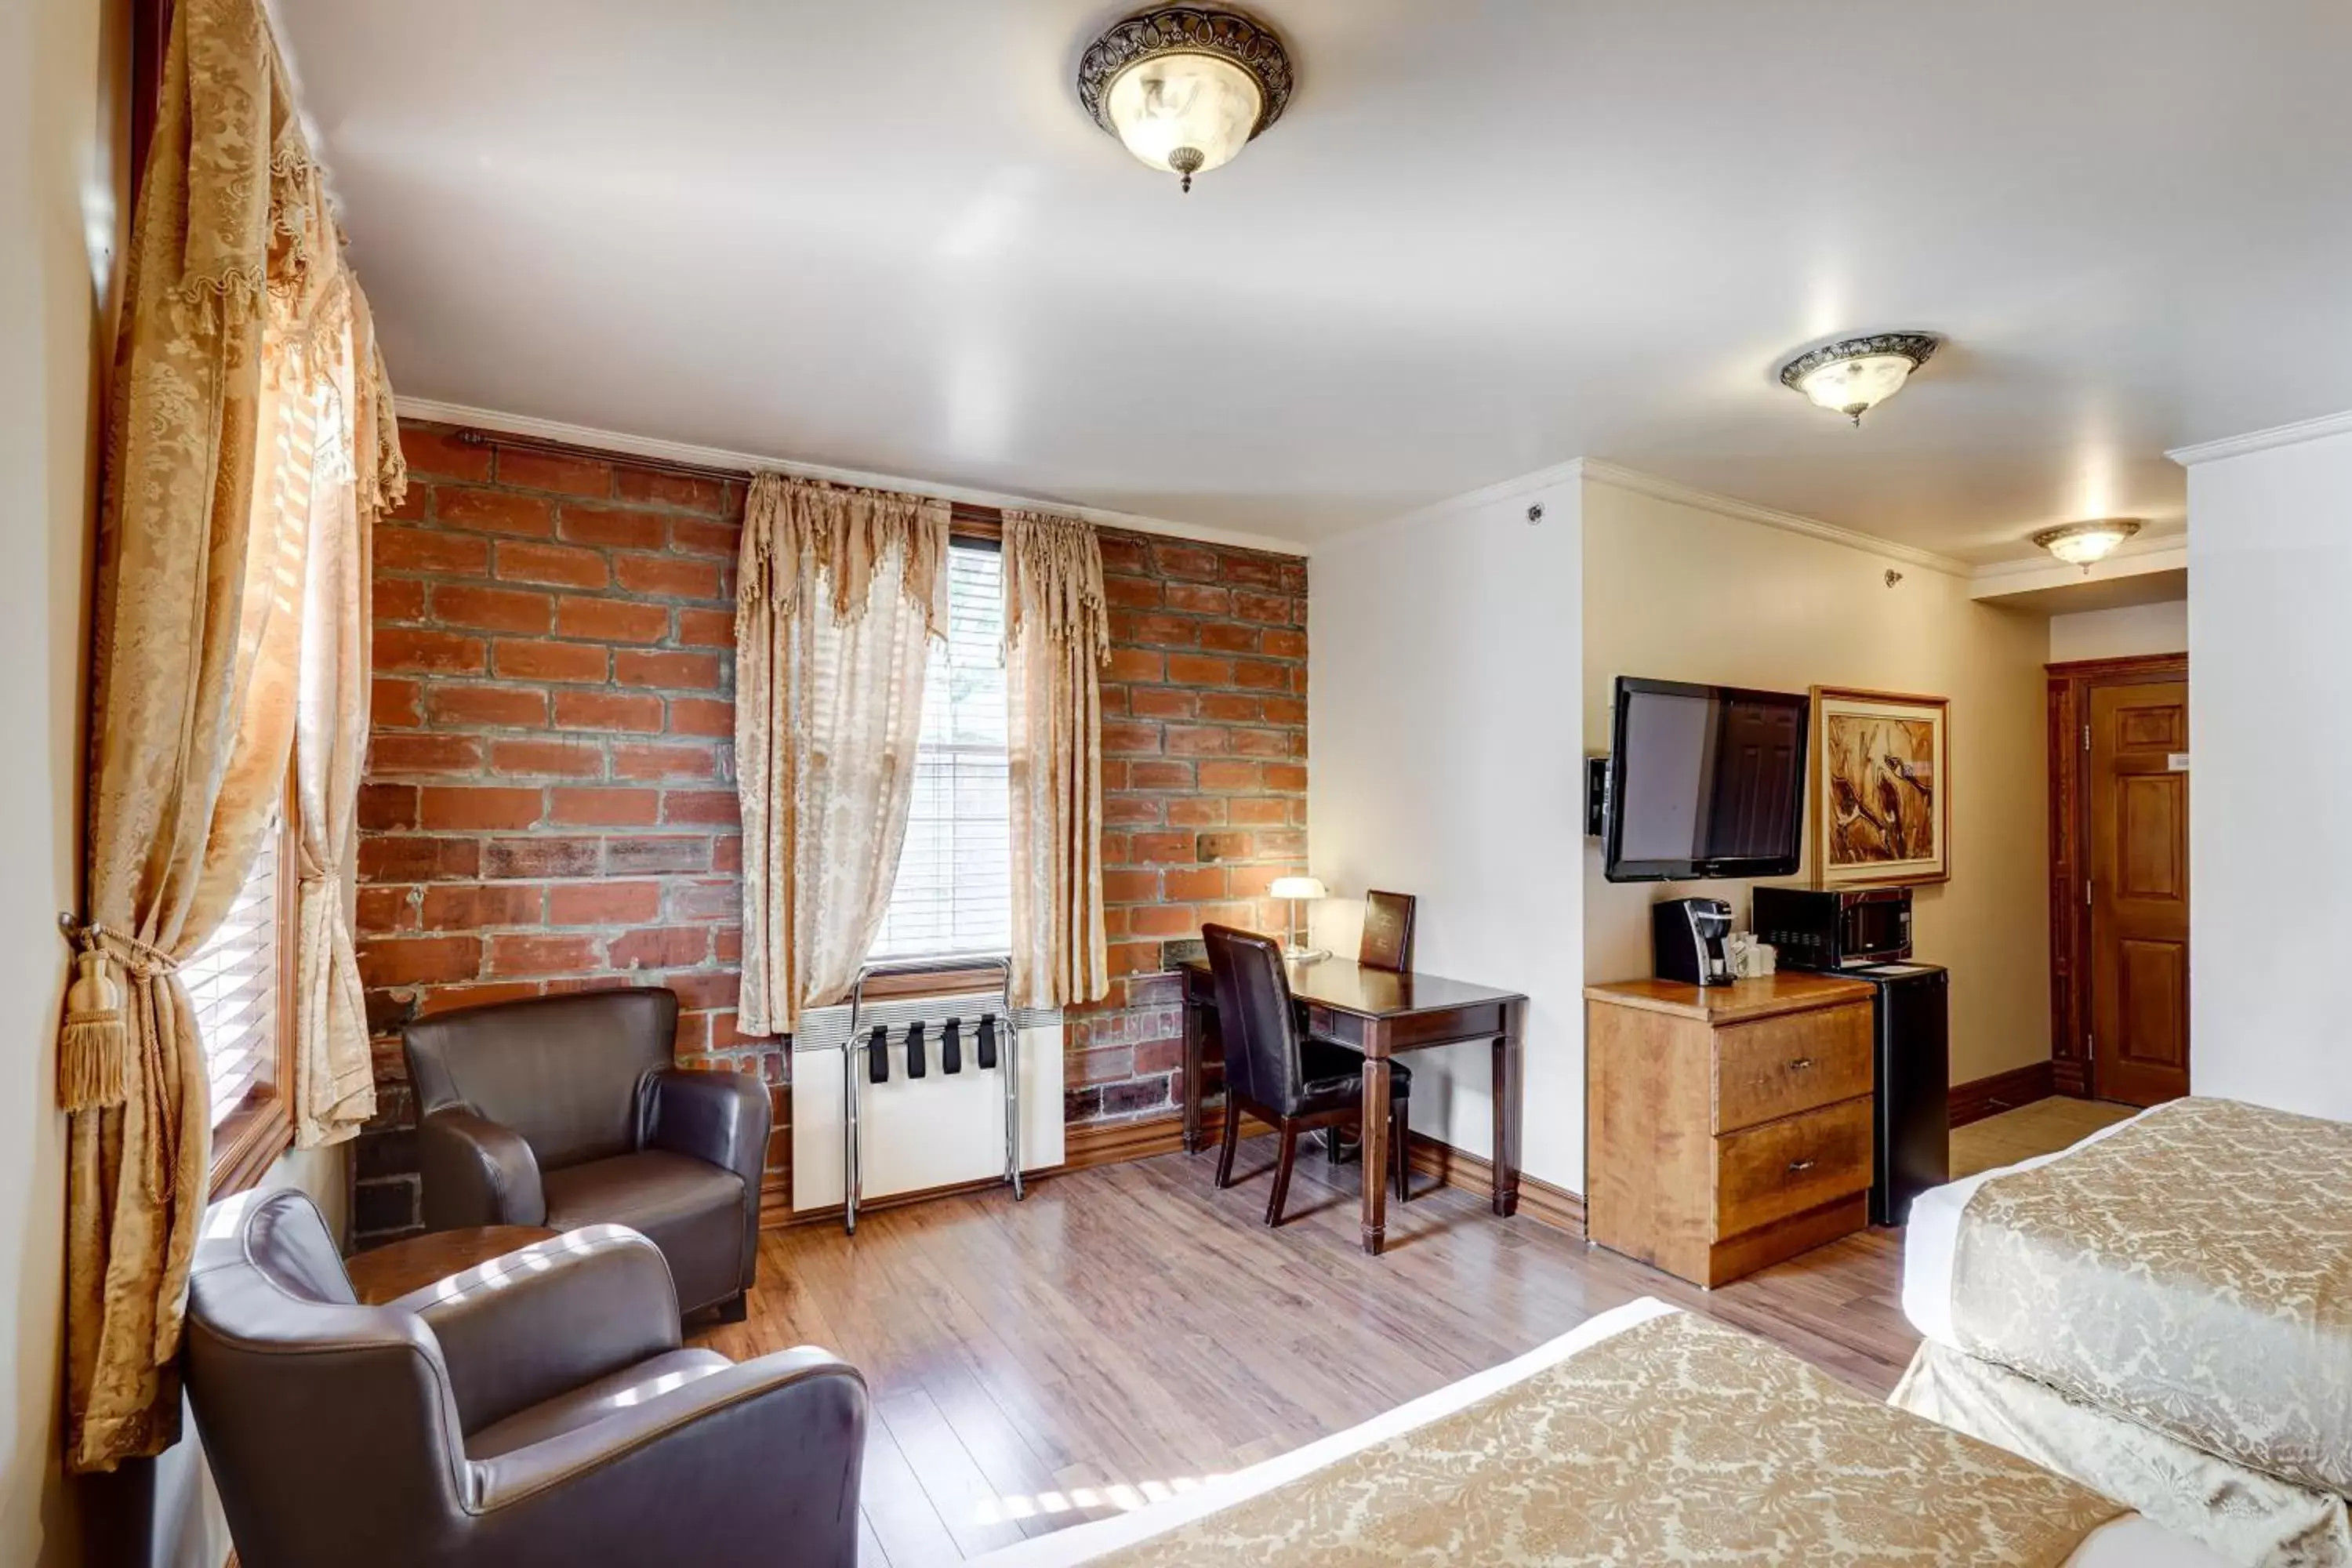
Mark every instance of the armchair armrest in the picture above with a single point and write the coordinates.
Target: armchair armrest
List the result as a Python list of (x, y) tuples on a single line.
[(721, 1117), (476, 1171), (538, 1322), (792, 1426)]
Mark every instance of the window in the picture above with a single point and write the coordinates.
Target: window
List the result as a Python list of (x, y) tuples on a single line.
[(240, 980), (954, 891)]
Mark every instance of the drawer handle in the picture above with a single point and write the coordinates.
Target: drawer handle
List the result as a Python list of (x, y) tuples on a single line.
[(1800, 1064), (1796, 1166)]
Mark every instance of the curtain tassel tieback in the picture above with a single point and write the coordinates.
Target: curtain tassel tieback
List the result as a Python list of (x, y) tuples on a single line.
[(95, 1044)]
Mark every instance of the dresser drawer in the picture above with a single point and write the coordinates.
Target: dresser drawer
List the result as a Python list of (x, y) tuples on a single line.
[(1785, 1167), (1798, 1061)]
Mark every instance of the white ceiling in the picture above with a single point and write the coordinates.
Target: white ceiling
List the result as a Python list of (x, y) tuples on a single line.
[(1486, 238)]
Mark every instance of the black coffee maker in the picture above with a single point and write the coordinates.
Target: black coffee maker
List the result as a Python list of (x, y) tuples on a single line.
[(1687, 941)]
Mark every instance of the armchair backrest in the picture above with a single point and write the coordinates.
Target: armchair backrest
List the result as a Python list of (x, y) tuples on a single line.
[(562, 1071), (324, 1422), (1255, 1018)]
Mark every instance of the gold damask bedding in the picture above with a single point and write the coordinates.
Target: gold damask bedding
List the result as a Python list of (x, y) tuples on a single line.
[(2191, 1272), (1677, 1441)]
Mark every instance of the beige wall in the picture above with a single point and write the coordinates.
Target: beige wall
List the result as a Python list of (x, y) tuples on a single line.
[(2126, 632), (1677, 593), (59, 174)]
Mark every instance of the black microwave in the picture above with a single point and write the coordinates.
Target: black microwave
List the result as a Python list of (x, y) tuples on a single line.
[(1816, 928)]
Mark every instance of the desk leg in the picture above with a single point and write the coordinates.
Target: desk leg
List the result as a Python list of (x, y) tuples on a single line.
[(1191, 1086), (1375, 1163), (1510, 1068)]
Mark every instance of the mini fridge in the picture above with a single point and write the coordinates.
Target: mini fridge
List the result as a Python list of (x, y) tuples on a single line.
[(1914, 1133)]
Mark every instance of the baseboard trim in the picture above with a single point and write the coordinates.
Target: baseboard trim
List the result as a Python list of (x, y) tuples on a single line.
[(1458, 1168), (1983, 1097)]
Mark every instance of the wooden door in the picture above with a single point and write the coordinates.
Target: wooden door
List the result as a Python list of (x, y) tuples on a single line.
[(2137, 790)]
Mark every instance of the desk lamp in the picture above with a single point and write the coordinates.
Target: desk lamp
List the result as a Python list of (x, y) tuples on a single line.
[(1295, 890)]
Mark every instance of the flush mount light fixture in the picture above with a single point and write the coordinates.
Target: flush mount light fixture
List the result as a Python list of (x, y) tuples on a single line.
[(1184, 87), (1855, 376), (2085, 544)]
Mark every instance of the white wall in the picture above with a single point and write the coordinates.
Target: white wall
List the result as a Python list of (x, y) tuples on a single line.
[(2270, 549), (57, 174), (2127, 631), (1675, 592), (1444, 735)]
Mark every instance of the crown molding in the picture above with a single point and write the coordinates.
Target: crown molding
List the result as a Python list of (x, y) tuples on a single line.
[(1454, 506), (2292, 435), (1600, 471), (425, 408)]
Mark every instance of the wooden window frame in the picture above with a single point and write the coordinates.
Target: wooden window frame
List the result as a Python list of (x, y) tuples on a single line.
[(249, 1140)]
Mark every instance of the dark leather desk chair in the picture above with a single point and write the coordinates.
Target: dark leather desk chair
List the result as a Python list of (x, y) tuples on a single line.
[(1270, 1071), (567, 1110), (526, 1415)]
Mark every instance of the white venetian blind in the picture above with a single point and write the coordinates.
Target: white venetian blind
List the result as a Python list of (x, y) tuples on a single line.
[(954, 891), (234, 981)]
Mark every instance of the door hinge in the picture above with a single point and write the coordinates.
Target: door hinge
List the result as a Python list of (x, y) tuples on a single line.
[(2086, 892), (2090, 1046), (2086, 737)]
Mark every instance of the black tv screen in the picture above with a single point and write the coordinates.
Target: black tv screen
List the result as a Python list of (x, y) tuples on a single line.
[(1704, 781)]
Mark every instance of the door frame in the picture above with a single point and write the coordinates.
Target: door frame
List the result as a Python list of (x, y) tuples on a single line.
[(2070, 685)]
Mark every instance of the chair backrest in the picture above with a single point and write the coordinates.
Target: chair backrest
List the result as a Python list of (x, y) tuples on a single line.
[(1255, 1018), (562, 1071), (1388, 932), (323, 1422)]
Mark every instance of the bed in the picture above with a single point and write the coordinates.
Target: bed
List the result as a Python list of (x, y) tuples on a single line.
[(1646, 1435), (2163, 1311)]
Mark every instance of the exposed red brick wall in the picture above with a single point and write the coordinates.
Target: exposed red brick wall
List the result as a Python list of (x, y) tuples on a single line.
[(550, 801)]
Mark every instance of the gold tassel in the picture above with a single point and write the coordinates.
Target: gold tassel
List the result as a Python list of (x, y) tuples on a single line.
[(95, 1040)]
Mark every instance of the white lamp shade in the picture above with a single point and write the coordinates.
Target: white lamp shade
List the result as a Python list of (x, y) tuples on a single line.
[(1203, 105), (1853, 386), (1299, 888)]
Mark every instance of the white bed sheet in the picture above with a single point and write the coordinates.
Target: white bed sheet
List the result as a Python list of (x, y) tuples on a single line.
[(1931, 1241), (2127, 1542)]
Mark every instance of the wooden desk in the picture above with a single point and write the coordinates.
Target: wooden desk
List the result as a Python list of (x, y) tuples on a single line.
[(1381, 1013)]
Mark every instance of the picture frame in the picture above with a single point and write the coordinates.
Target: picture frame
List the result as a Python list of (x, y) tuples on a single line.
[(1880, 782)]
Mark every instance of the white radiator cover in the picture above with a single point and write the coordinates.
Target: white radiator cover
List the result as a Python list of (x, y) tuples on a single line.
[(931, 1132)]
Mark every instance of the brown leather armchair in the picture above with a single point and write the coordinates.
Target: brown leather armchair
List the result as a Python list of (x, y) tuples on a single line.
[(567, 1110), (534, 1413)]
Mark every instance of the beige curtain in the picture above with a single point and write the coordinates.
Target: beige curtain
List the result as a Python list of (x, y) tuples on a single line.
[(840, 592), (1057, 635), (234, 298)]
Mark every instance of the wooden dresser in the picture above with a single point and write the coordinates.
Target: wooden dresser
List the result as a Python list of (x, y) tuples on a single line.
[(1728, 1128)]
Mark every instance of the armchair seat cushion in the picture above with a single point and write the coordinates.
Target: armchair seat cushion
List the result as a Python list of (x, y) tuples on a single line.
[(689, 1208), (593, 1402)]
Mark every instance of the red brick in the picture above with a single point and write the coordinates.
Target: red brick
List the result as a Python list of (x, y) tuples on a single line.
[(553, 471), (495, 511), (1196, 811), (1262, 742), (450, 997), (1257, 675), (665, 672), (706, 990), (1256, 881), (1154, 630), (1212, 847), (607, 710), (660, 947), (1130, 887), (1135, 664), (1193, 670), (1129, 739), (1170, 559), (1196, 740), (707, 807), (386, 911), (603, 903), (727, 852), (393, 701), (1128, 554), (558, 565), (1159, 775), (685, 491), (538, 955), (1267, 609), (668, 575), (1285, 777), (705, 628), (511, 706), (1192, 883), (1163, 702), (539, 660), (1281, 846), (647, 761), (711, 898), (1163, 920), (1282, 644), (419, 960), (1195, 599), (1161, 849), (441, 453), (1132, 593), (603, 807), (1131, 810), (397, 599), (1231, 707), (424, 753), (610, 620), (693, 536), (1258, 571), (701, 716), (510, 859), (1258, 811), (1114, 775), (1135, 958), (726, 942), (454, 809), (459, 907), (430, 552), (572, 758), (664, 852), (415, 503), (1228, 775), (492, 609), (1283, 710), (384, 808), (1227, 636), (446, 653), (388, 857), (612, 527)]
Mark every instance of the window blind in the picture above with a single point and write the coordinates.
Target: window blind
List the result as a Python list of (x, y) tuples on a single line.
[(234, 981), (954, 889)]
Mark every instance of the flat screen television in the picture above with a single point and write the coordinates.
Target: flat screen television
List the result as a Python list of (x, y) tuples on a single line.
[(1704, 781)]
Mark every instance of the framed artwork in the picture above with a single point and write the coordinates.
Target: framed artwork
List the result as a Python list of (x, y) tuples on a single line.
[(1882, 800)]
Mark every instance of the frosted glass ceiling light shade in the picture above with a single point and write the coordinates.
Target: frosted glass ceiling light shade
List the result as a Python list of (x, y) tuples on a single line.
[(1184, 87), (1855, 376), (2086, 544)]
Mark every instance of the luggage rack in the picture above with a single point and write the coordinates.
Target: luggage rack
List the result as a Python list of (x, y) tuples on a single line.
[(853, 1065)]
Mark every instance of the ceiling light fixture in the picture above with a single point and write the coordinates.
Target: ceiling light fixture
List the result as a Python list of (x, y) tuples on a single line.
[(1184, 87), (1856, 376), (2085, 544)]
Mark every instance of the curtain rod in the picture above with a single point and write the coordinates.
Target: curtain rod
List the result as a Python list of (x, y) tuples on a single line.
[(473, 436)]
